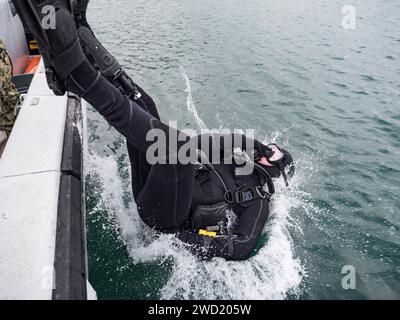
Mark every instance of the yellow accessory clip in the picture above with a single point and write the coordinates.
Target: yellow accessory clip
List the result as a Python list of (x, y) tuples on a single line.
[(33, 45), (207, 233)]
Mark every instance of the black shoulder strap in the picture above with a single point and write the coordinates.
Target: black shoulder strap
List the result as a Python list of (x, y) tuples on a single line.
[(246, 195), (243, 193)]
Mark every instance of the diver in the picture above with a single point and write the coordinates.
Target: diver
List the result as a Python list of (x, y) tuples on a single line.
[(214, 211)]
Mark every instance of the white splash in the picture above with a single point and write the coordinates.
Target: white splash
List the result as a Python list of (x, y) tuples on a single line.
[(190, 103), (273, 273)]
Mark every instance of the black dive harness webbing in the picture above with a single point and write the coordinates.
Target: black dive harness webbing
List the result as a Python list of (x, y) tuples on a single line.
[(244, 193), (211, 220), (250, 194)]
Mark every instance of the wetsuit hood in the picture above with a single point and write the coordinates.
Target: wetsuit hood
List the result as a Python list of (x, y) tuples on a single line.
[(287, 164)]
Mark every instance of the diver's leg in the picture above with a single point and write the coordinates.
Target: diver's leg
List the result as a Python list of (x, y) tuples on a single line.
[(64, 55), (164, 202), (164, 196), (148, 103), (140, 168), (124, 115), (170, 185)]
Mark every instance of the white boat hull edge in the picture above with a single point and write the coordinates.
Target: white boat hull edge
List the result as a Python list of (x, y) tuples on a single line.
[(42, 225)]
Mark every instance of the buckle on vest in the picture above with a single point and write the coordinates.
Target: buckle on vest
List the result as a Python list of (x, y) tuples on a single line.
[(229, 198), (239, 196), (245, 196), (262, 193)]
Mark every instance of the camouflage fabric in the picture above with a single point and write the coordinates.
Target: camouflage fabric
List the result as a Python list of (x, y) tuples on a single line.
[(9, 95)]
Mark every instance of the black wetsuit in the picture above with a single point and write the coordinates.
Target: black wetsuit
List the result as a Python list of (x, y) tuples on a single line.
[(165, 193)]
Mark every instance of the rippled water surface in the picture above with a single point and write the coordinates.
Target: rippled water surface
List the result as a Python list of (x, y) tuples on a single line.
[(289, 70)]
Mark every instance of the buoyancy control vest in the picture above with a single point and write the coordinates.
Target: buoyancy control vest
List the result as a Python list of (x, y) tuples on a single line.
[(218, 190)]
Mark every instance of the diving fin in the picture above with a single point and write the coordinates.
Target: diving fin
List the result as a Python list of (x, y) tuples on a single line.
[(58, 44)]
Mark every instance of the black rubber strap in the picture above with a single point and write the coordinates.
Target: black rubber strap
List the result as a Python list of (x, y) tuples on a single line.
[(250, 194)]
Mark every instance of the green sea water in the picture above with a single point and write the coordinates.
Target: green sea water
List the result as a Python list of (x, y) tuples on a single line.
[(289, 70)]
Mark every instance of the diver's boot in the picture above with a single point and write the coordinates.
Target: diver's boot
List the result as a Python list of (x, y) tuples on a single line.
[(53, 26)]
